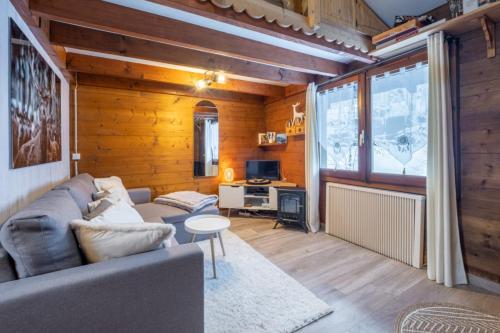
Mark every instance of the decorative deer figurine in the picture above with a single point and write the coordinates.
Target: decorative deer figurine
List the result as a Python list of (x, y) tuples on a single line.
[(298, 117)]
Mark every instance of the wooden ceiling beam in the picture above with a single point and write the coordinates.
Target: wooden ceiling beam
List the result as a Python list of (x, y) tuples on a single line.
[(164, 88), (228, 15), (129, 70), (39, 31), (122, 20), (100, 41)]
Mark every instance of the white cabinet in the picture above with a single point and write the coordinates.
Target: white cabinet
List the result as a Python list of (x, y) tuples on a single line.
[(273, 198), (231, 196), (241, 195)]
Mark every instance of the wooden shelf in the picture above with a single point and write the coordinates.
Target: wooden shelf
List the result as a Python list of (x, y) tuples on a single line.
[(296, 134), (257, 208), (456, 26), (272, 144), (274, 183)]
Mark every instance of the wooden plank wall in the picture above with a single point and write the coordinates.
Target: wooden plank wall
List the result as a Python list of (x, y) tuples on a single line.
[(146, 138), (291, 155), (480, 154), (352, 14)]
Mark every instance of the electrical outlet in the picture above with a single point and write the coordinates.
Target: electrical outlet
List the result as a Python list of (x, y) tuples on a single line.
[(76, 156)]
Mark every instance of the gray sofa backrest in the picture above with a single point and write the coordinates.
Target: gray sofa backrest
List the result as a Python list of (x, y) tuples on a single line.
[(80, 188), (39, 238), (7, 271)]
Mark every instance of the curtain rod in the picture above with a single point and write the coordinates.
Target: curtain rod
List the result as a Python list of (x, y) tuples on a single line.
[(368, 67)]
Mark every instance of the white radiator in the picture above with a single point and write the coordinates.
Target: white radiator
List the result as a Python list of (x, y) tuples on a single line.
[(387, 222)]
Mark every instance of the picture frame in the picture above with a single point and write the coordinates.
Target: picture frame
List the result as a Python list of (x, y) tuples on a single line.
[(34, 104), (271, 137), (262, 139), (281, 138)]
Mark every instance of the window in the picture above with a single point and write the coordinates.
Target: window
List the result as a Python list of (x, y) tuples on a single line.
[(398, 118), (392, 147), (339, 114)]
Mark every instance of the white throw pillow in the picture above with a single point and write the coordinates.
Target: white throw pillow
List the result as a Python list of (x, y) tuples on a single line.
[(94, 204), (119, 212), (103, 241), (98, 207), (114, 186)]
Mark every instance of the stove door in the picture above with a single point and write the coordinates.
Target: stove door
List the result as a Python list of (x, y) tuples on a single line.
[(289, 204)]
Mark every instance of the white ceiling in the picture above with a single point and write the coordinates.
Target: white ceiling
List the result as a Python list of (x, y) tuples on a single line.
[(387, 9)]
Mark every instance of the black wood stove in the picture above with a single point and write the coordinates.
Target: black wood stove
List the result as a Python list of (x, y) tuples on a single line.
[(292, 207)]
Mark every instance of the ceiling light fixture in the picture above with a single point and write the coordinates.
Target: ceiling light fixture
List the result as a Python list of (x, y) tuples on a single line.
[(201, 84), (220, 77), (209, 78)]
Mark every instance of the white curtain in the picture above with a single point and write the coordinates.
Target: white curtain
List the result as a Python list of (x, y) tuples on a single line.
[(444, 255), (208, 147), (312, 160)]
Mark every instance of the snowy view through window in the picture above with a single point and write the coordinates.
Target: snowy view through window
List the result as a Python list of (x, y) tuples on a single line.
[(338, 109), (399, 122)]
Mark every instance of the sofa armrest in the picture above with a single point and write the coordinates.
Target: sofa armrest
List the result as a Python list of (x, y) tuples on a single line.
[(158, 291), (140, 195)]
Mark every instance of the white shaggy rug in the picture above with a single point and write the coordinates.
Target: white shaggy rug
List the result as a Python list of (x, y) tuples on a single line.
[(251, 294)]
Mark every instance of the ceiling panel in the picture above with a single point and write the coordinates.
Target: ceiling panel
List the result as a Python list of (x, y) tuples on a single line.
[(387, 9)]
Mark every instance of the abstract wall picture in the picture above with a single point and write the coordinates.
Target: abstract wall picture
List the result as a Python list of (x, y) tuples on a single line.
[(35, 104)]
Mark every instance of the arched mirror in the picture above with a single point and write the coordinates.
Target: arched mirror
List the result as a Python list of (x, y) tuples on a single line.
[(206, 140)]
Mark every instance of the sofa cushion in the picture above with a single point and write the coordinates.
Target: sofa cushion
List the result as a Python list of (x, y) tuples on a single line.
[(102, 241), (39, 238), (151, 212), (173, 240), (170, 214), (7, 272), (115, 187), (119, 212), (81, 188)]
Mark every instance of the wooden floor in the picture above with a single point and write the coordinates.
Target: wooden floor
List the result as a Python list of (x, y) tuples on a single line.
[(366, 290)]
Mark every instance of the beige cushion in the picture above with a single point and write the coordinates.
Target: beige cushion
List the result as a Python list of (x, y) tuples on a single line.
[(103, 241), (114, 186), (120, 212), (97, 208)]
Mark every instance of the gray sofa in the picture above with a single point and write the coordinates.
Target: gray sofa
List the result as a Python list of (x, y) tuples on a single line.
[(46, 286)]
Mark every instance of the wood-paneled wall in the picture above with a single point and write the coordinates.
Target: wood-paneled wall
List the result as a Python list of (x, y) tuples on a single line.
[(480, 155), (291, 155), (146, 138), (352, 14)]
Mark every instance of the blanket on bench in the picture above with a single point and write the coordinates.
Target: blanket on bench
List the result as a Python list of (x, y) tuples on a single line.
[(188, 200)]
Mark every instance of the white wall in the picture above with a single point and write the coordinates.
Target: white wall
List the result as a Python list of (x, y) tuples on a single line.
[(21, 186)]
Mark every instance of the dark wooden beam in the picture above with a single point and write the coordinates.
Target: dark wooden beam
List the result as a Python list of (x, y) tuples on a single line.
[(228, 15), (130, 70), (38, 29), (164, 88), (44, 24), (122, 20), (100, 41), (488, 27)]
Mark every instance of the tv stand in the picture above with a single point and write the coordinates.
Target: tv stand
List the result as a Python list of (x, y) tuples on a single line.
[(258, 181), (253, 197)]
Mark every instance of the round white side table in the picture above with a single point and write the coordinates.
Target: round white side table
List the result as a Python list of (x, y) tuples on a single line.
[(208, 225)]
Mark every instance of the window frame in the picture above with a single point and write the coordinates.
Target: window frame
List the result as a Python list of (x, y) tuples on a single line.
[(364, 173), (393, 179), (361, 173)]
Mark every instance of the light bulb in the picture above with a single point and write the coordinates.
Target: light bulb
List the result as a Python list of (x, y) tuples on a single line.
[(220, 77), (201, 84)]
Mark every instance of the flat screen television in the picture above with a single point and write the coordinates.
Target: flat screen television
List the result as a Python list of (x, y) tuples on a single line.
[(263, 169)]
